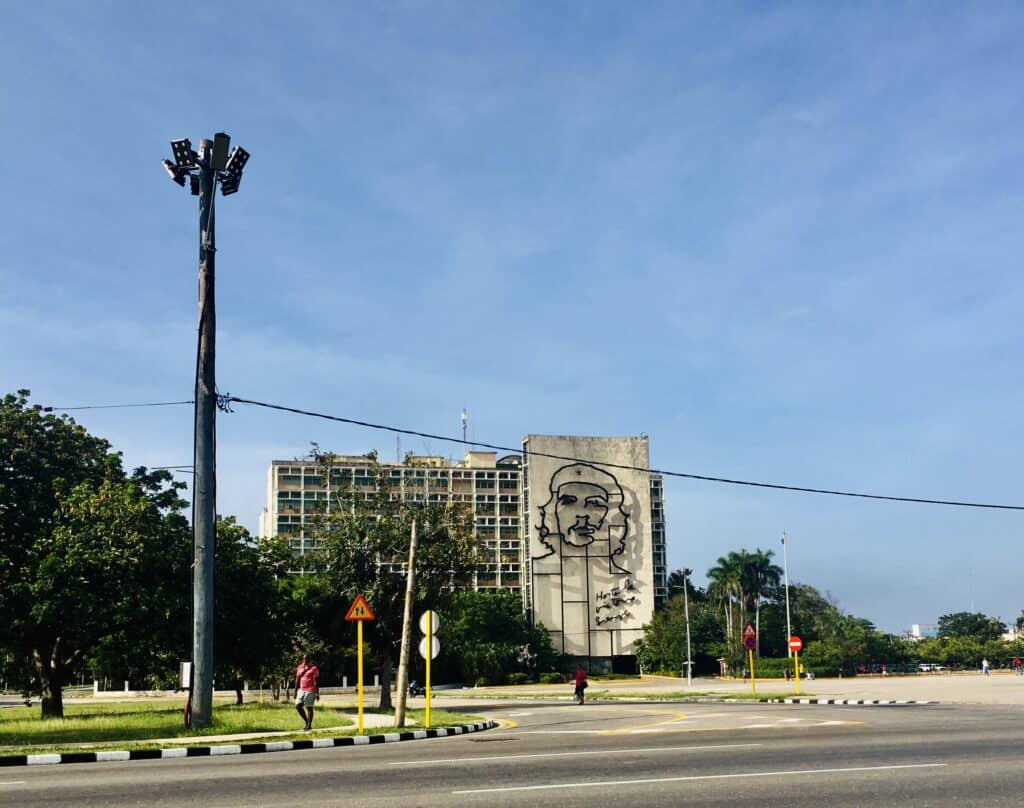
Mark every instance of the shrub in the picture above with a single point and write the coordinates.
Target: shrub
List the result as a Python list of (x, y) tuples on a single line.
[(552, 679), (481, 681), (516, 678)]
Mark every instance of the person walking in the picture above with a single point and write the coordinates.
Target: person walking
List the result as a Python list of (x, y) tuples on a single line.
[(307, 689), (984, 666), (1016, 666), (581, 684)]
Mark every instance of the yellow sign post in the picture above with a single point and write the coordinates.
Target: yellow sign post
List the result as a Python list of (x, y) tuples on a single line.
[(430, 639), (359, 612), (795, 644), (750, 643), (429, 647)]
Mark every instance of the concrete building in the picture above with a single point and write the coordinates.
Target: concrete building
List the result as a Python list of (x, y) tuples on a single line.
[(486, 484), (576, 525), (595, 543)]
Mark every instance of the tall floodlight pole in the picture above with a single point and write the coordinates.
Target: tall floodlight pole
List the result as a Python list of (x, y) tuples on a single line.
[(686, 610), (785, 572), (203, 170)]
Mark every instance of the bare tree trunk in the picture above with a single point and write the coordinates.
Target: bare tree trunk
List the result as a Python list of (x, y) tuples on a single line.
[(52, 671), (51, 693), (238, 690), (384, 661)]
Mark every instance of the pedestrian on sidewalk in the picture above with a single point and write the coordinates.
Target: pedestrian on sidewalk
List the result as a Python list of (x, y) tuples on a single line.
[(1016, 666), (984, 666), (307, 689), (581, 684)]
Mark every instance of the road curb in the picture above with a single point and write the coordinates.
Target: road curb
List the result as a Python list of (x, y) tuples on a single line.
[(869, 702), (240, 749)]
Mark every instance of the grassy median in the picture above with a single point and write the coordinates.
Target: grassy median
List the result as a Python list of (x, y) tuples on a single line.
[(140, 720), (137, 724)]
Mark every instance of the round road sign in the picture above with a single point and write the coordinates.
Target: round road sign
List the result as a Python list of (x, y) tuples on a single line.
[(435, 621), (435, 647), (750, 642), (795, 643)]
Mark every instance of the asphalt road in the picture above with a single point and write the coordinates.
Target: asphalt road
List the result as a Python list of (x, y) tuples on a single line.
[(599, 755)]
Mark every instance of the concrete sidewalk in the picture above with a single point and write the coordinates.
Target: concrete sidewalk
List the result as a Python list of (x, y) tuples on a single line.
[(958, 688)]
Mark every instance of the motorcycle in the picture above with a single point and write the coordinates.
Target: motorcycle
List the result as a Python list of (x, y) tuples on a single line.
[(415, 689)]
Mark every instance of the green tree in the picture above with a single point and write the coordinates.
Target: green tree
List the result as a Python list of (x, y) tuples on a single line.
[(251, 627), (726, 589), (663, 647), (487, 636), (362, 546), (971, 624), (761, 579), (78, 539)]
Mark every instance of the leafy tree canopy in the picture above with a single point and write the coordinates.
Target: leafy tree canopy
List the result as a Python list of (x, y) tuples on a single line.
[(971, 624), (79, 540), (362, 547)]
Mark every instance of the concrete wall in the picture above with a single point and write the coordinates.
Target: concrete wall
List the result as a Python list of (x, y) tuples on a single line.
[(589, 542)]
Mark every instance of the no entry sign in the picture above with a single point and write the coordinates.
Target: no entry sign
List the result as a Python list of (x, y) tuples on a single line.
[(795, 643)]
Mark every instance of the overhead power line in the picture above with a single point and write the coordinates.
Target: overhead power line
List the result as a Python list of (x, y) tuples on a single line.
[(625, 467), (118, 406)]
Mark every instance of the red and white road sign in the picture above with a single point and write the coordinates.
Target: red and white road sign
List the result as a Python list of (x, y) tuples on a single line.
[(749, 638), (359, 610), (795, 643)]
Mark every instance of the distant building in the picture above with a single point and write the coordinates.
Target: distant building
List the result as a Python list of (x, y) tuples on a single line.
[(919, 631), (582, 539), (489, 486)]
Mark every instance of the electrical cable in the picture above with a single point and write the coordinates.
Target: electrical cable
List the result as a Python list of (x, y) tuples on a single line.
[(626, 467), (118, 406)]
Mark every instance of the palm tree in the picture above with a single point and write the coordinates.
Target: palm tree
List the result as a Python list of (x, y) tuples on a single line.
[(760, 577), (726, 587)]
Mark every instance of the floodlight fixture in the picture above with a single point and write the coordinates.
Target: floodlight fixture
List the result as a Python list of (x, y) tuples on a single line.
[(239, 157), (219, 156), (184, 156), (194, 184), (174, 173), (229, 184)]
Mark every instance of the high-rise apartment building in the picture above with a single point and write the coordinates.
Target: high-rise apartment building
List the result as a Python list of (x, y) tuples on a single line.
[(486, 484)]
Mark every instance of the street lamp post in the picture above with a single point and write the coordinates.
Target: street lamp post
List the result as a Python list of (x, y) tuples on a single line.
[(785, 572), (203, 170), (686, 609)]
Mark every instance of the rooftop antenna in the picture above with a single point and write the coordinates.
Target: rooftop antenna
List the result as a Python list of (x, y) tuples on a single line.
[(464, 415)]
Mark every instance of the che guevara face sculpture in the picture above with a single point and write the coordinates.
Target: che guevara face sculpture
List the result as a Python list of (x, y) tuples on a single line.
[(584, 507)]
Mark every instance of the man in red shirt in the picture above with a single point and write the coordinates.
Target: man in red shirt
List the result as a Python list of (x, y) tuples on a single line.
[(581, 684), (307, 689)]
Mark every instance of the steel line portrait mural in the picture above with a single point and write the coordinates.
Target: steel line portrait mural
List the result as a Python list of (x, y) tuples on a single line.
[(590, 564)]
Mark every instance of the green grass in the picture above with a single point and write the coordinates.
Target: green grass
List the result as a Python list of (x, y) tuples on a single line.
[(142, 720), (134, 725)]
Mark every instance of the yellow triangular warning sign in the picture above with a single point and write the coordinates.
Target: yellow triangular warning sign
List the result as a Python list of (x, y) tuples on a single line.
[(359, 610)]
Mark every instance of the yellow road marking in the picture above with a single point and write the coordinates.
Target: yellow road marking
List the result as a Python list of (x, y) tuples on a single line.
[(625, 730), (507, 723)]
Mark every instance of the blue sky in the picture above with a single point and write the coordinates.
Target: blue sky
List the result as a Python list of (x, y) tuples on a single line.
[(783, 241)]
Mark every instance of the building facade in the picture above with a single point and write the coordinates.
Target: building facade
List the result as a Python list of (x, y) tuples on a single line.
[(581, 539), (489, 486), (595, 543)]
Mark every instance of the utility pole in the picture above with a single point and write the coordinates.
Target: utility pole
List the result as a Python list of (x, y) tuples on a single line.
[(686, 608), (403, 656), (203, 170)]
